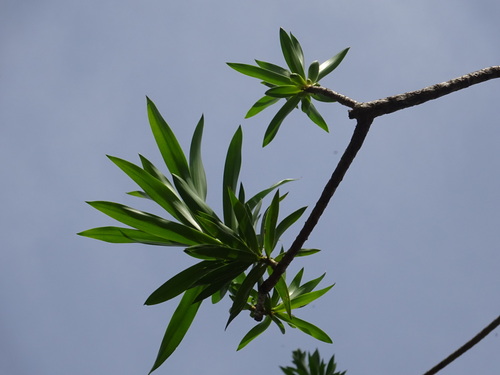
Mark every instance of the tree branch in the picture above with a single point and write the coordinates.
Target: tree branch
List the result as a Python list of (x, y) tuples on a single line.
[(365, 114), (468, 345), (357, 139), (394, 103)]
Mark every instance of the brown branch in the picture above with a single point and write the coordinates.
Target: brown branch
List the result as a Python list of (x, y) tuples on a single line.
[(468, 345), (342, 99), (409, 99), (358, 137)]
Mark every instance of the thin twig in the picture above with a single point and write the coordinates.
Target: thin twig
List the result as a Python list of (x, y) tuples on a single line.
[(358, 137), (468, 345)]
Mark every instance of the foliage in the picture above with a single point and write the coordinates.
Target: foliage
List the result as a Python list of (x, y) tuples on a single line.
[(290, 83), (314, 365), (233, 252)]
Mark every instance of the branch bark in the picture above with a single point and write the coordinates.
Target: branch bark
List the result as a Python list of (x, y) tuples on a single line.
[(364, 113), (468, 345)]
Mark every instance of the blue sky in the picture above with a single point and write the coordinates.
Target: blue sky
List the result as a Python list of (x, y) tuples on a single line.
[(411, 238)]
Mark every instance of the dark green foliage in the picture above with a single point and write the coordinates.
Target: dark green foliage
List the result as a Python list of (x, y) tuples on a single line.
[(235, 252), (289, 83), (311, 364)]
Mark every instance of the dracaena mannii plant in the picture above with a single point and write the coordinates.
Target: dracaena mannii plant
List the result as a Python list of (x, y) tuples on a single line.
[(290, 84), (235, 250)]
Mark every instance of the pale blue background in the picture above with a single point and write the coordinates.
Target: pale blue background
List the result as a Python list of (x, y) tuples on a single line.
[(411, 239)]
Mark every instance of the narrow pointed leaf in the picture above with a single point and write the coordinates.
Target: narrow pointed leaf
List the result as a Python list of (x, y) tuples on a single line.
[(181, 282), (322, 98), (315, 116), (153, 224), (158, 191), (244, 221), (257, 198), (329, 65), (191, 198), (221, 252), (313, 71), (273, 67), (285, 296), (275, 124), (271, 221), (307, 287), (167, 143), (254, 332), (261, 73), (199, 178), (155, 172), (241, 298), (125, 235), (290, 53), (260, 105), (283, 91), (306, 327), (298, 53), (232, 168), (288, 221), (179, 324), (302, 300)]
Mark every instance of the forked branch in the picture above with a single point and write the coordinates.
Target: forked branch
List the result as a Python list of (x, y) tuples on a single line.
[(364, 113)]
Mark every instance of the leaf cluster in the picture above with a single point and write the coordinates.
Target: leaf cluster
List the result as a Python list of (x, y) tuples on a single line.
[(290, 83), (234, 251), (311, 364)]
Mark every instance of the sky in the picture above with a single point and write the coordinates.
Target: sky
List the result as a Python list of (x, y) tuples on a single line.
[(410, 239)]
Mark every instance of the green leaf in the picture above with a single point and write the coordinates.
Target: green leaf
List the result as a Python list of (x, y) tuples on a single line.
[(299, 53), (329, 65), (295, 284), (125, 235), (261, 73), (224, 273), (167, 143), (232, 168), (293, 55), (301, 253), (303, 299), (273, 67), (181, 282), (192, 200), (199, 179), (298, 80), (311, 111), (275, 124), (217, 229), (257, 198), (153, 224), (155, 172), (288, 221), (179, 324), (161, 193), (307, 287), (270, 237), (322, 98), (282, 290), (260, 105), (139, 194), (241, 297), (305, 327), (313, 71), (244, 221), (283, 91), (221, 252), (254, 332)]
